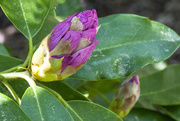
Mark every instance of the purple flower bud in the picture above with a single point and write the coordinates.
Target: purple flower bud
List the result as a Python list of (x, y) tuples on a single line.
[(67, 48), (126, 97)]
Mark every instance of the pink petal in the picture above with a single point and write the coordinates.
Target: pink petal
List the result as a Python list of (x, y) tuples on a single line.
[(81, 56), (58, 32), (74, 37)]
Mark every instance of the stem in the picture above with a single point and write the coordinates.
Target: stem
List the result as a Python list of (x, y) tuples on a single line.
[(12, 69), (23, 75), (11, 90), (30, 54), (60, 98)]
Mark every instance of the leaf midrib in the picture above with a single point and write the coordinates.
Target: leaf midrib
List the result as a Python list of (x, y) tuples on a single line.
[(38, 104), (137, 42), (20, 2)]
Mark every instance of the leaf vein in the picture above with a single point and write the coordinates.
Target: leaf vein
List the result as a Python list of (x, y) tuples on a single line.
[(25, 20), (38, 105), (116, 46), (161, 91)]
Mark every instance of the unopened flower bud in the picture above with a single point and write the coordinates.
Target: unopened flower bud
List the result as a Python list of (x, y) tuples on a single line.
[(67, 48), (126, 97)]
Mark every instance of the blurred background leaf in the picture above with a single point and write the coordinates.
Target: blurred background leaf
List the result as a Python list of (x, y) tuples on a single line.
[(173, 111), (3, 50), (163, 87), (145, 115), (49, 24), (69, 8), (7, 62)]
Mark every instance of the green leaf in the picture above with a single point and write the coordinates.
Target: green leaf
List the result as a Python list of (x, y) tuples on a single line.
[(5, 91), (173, 111), (48, 25), (150, 69), (145, 105), (92, 112), (65, 91), (10, 111), (7, 62), (69, 8), (3, 50), (19, 86), (145, 115), (126, 43), (74, 83), (27, 15), (103, 91), (60, 1), (41, 105), (163, 87)]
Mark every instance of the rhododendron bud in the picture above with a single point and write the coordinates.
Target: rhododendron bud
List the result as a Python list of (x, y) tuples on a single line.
[(67, 48), (126, 97)]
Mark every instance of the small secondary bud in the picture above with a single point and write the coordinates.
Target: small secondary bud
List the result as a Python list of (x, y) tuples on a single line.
[(126, 97)]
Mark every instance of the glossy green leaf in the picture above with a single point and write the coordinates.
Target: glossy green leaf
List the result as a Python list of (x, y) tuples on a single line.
[(69, 8), (92, 112), (19, 86), (27, 15), (7, 62), (65, 91), (3, 50), (5, 91), (10, 111), (126, 43), (145, 115), (163, 87), (41, 105)]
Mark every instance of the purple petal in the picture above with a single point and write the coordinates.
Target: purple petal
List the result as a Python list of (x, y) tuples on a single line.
[(90, 33), (58, 32), (95, 19), (70, 17), (74, 37), (67, 59), (89, 19), (134, 79), (81, 56)]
